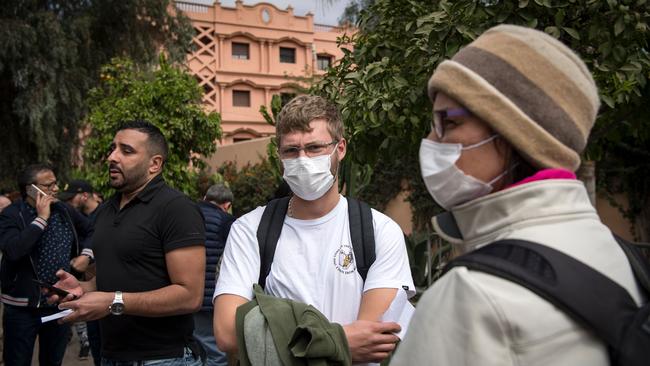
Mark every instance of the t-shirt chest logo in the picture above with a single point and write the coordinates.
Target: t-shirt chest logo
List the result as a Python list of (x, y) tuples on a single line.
[(344, 259)]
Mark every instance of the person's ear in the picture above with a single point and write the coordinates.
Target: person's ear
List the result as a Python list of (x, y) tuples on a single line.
[(342, 148), (505, 152), (156, 164)]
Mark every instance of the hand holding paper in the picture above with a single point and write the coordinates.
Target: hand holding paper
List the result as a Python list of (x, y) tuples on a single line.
[(55, 316), (400, 311)]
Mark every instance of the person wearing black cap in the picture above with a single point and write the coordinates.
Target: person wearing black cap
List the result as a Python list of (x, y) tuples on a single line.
[(80, 195)]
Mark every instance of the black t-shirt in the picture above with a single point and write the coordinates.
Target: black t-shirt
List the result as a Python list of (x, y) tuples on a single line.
[(130, 246)]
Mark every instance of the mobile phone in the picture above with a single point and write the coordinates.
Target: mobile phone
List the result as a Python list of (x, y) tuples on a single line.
[(53, 290), (33, 190)]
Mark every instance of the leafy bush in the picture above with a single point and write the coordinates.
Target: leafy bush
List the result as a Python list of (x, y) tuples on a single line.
[(427, 256), (252, 185)]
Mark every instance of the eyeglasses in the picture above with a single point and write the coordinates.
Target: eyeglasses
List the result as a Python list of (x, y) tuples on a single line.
[(441, 119), (49, 186), (311, 150)]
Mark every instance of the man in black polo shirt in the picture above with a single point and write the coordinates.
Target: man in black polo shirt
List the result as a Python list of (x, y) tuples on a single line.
[(150, 257)]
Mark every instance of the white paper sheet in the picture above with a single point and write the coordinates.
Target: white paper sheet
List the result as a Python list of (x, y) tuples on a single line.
[(400, 312), (58, 315)]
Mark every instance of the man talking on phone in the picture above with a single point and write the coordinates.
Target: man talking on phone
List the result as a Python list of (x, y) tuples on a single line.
[(38, 236), (149, 250)]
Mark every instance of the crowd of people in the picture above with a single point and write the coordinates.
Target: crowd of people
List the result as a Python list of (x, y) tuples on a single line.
[(161, 279)]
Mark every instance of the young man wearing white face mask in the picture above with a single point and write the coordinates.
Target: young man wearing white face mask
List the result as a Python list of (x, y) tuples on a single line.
[(315, 233)]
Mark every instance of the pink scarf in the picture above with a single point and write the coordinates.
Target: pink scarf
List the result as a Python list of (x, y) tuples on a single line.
[(546, 174)]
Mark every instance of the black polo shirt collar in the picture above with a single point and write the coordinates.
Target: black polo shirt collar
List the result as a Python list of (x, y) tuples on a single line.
[(146, 194)]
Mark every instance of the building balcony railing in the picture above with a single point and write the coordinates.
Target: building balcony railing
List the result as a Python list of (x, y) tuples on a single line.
[(326, 28), (190, 7)]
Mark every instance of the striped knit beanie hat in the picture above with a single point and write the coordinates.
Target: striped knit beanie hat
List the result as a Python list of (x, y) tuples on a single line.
[(529, 88)]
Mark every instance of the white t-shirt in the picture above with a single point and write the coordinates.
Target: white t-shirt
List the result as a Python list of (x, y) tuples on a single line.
[(314, 262)]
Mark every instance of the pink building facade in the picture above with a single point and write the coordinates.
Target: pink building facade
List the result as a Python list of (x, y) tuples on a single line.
[(246, 54)]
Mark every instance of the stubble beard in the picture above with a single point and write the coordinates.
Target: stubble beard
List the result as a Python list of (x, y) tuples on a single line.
[(131, 180)]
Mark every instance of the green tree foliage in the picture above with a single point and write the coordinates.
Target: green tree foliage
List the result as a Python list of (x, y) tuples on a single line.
[(168, 97), (50, 57), (251, 185), (380, 85), (353, 10)]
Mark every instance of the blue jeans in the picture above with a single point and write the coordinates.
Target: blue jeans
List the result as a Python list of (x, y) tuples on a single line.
[(204, 334), (21, 325), (188, 359)]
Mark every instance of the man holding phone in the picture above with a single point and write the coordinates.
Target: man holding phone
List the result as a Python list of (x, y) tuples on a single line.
[(38, 236)]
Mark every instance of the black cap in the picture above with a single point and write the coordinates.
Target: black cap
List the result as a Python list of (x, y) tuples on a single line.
[(74, 187)]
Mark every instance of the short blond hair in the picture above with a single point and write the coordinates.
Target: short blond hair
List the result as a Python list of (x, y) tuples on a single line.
[(301, 110)]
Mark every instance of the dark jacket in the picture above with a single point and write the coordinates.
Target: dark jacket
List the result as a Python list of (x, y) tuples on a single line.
[(217, 227), (18, 242)]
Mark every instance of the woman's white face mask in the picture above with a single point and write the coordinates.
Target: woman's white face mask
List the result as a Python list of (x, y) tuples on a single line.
[(447, 184), (309, 178)]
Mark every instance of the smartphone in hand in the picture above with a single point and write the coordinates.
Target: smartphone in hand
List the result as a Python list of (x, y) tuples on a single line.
[(33, 191), (54, 290)]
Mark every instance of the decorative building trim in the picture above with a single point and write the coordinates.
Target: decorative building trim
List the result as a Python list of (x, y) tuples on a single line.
[(243, 81), (243, 34), (290, 39)]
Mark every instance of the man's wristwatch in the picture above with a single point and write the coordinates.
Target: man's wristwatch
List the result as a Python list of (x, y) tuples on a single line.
[(117, 307)]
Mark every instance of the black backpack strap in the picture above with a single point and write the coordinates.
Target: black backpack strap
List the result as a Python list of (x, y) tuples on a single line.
[(362, 234), (639, 264), (587, 295), (268, 233)]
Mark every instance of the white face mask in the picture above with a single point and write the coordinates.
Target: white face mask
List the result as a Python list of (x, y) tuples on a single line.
[(446, 183), (309, 178)]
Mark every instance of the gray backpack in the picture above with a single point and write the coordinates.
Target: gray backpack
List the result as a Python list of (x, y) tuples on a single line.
[(589, 297)]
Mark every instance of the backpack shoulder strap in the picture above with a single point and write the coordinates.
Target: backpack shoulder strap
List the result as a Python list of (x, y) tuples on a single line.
[(268, 233), (639, 264), (362, 234), (587, 295)]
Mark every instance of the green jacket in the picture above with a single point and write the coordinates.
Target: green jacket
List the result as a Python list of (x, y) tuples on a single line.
[(275, 331)]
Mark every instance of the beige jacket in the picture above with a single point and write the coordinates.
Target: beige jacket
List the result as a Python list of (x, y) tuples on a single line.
[(473, 318)]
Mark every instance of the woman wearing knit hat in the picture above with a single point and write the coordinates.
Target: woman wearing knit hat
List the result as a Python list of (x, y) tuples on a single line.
[(512, 113)]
